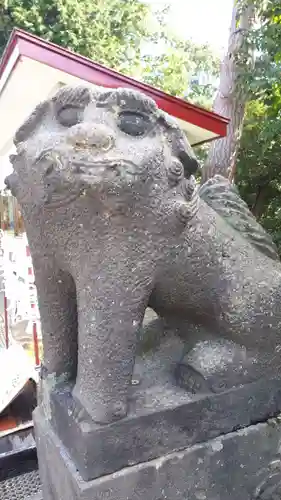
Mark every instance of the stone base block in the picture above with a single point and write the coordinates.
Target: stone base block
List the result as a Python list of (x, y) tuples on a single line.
[(160, 421), (244, 465)]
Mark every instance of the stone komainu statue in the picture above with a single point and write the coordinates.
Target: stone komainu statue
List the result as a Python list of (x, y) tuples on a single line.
[(115, 224)]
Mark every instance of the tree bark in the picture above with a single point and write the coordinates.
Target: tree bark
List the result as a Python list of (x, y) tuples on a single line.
[(231, 98), (259, 204)]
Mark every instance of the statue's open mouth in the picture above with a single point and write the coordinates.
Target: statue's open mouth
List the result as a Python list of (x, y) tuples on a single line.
[(97, 168), (89, 173)]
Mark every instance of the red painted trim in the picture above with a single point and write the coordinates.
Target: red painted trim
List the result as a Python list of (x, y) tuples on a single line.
[(7, 54), (8, 51), (85, 69), (35, 344), (59, 58), (6, 321), (94, 73)]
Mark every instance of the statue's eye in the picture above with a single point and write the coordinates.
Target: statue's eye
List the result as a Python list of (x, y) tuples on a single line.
[(69, 115), (135, 124)]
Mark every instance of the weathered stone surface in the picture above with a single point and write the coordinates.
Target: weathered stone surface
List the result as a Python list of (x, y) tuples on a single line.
[(163, 417), (89, 176), (115, 223), (161, 420), (242, 465)]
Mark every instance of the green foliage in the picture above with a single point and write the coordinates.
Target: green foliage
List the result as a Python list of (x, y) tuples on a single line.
[(108, 31), (259, 163), (263, 80), (178, 66), (121, 34), (259, 166)]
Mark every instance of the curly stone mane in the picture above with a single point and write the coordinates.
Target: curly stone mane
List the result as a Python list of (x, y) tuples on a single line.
[(182, 193)]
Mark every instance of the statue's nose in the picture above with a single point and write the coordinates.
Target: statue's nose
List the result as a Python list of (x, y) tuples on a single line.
[(88, 135)]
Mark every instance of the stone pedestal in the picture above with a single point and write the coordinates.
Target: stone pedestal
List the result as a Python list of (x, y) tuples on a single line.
[(160, 421), (171, 445), (241, 465)]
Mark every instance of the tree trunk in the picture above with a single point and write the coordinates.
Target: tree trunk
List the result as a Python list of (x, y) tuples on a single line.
[(231, 98), (259, 204)]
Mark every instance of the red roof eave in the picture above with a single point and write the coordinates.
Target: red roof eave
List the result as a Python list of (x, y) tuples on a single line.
[(59, 58)]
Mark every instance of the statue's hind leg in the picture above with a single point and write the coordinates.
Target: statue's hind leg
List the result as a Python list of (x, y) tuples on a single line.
[(210, 363), (215, 366), (219, 364)]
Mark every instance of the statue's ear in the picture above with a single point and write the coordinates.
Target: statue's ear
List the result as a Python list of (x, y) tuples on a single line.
[(183, 151), (190, 163), (12, 183), (31, 123)]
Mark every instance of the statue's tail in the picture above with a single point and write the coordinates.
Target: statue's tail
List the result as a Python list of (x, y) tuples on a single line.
[(224, 198)]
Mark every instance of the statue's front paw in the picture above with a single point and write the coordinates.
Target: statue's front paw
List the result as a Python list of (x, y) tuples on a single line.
[(191, 380), (108, 413), (102, 412), (105, 413)]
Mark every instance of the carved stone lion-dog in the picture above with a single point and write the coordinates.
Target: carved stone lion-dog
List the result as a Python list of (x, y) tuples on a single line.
[(115, 224)]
